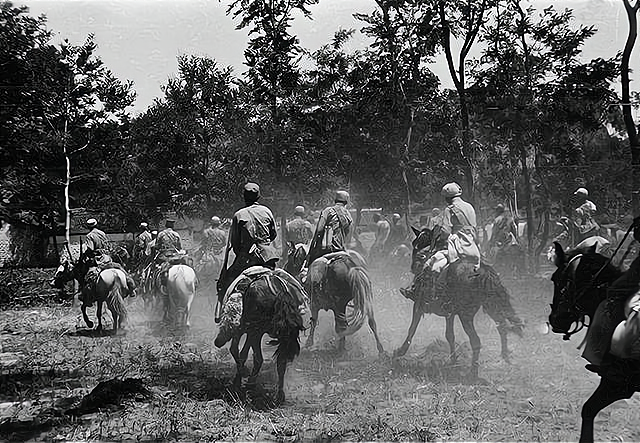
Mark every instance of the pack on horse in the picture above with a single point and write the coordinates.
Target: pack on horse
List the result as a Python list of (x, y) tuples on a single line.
[(332, 282), (108, 285), (583, 280), (464, 292), (263, 301)]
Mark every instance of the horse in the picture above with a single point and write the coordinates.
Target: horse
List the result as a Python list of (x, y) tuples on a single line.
[(582, 281), (465, 290), (179, 294), (296, 255), (332, 282), (263, 301), (110, 287)]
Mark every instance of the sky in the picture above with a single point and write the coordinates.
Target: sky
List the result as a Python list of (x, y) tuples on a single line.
[(140, 40)]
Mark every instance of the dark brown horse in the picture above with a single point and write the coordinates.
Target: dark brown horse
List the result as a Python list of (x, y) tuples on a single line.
[(100, 286), (465, 290), (263, 302), (332, 282), (582, 282)]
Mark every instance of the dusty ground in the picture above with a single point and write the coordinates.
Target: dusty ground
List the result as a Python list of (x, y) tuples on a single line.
[(49, 361)]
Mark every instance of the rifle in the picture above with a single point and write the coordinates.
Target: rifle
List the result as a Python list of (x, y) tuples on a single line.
[(220, 282)]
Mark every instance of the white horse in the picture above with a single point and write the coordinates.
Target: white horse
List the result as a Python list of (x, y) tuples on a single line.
[(179, 294)]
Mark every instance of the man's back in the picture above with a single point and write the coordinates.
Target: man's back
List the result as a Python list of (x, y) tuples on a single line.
[(214, 239), (252, 224), (168, 240), (97, 239), (460, 216), (299, 231)]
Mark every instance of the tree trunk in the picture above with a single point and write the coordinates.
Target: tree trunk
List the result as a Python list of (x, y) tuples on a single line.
[(634, 143)]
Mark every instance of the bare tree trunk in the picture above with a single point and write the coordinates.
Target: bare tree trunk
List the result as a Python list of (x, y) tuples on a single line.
[(634, 143)]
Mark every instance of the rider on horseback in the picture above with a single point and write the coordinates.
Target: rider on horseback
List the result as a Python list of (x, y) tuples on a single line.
[(459, 229), (504, 232), (586, 226), (299, 230), (214, 237), (141, 245), (253, 229), (332, 230)]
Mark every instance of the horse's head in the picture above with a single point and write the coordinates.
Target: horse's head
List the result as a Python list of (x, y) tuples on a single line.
[(579, 285), (63, 274), (426, 242)]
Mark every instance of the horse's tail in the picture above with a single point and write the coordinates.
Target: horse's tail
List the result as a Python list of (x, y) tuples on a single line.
[(497, 303), (116, 301), (362, 293), (287, 319)]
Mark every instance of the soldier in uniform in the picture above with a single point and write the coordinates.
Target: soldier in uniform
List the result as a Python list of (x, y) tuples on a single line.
[(168, 242), (214, 237), (251, 236), (299, 230), (332, 230)]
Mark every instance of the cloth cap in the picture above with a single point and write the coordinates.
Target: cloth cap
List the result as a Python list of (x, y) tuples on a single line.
[(170, 223), (499, 207), (451, 190), (342, 197), (581, 191), (435, 211), (215, 220), (92, 222), (299, 210), (154, 232), (396, 216), (251, 192)]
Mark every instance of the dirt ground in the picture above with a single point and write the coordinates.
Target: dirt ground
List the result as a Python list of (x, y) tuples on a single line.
[(49, 361)]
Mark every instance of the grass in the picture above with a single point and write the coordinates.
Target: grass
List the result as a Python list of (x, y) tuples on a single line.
[(330, 397)]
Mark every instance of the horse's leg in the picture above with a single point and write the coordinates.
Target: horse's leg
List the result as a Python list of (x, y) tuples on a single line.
[(235, 353), (281, 366), (374, 329), (605, 394), (99, 314), (415, 321), (314, 322), (255, 341), (340, 320), (450, 335), (89, 323), (467, 324)]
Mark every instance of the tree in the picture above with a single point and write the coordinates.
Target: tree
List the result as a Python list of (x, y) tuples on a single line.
[(52, 100), (632, 131), (534, 94)]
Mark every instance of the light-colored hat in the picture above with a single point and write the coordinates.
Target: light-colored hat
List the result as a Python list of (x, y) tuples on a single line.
[(299, 210), (215, 220), (396, 216), (451, 190), (92, 222), (581, 191), (143, 225), (342, 197)]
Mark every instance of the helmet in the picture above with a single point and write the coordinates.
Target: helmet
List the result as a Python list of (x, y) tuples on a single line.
[(451, 190), (581, 191), (299, 210), (342, 197), (92, 222), (215, 220), (251, 192)]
